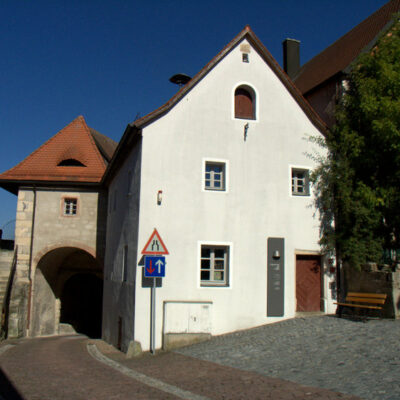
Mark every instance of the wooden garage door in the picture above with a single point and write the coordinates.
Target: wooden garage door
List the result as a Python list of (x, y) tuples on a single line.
[(308, 283)]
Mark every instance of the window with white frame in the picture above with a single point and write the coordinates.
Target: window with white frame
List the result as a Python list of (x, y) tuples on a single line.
[(245, 102), (70, 207), (214, 178), (300, 182), (214, 265)]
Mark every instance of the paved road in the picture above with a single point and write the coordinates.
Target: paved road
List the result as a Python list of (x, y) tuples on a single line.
[(353, 357), (61, 368)]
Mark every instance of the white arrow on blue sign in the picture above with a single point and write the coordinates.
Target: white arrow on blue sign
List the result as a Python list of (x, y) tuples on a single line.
[(154, 266)]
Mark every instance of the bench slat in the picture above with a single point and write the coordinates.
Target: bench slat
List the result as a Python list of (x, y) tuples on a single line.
[(367, 295), (363, 300), (359, 305)]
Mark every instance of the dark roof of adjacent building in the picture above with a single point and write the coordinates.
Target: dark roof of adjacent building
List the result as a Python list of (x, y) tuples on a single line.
[(76, 154), (338, 56), (128, 139)]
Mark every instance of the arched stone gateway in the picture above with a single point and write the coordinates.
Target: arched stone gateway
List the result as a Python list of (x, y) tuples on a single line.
[(68, 289), (81, 304)]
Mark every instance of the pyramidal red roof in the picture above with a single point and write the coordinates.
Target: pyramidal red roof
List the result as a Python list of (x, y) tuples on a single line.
[(74, 147)]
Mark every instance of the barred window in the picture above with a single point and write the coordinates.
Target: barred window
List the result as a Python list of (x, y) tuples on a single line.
[(70, 206)]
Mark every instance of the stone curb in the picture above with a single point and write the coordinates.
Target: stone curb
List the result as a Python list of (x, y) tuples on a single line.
[(155, 383)]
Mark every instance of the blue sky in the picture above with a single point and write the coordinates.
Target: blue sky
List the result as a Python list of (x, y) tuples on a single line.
[(111, 60)]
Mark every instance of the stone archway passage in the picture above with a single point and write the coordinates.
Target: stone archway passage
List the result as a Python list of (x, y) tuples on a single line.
[(81, 304)]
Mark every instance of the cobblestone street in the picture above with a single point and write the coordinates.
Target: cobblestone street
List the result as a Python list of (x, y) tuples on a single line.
[(316, 358), (353, 357)]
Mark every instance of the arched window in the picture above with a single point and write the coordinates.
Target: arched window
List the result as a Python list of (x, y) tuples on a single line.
[(70, 162), (245, 103)]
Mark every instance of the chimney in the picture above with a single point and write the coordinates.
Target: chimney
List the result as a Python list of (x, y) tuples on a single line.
[(291, 57)]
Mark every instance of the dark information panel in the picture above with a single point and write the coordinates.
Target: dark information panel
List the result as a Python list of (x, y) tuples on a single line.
[(276, 277)]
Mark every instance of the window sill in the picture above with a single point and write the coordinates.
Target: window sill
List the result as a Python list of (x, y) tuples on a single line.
[(215, 285)]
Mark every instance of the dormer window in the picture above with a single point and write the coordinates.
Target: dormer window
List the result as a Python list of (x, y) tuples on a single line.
[(70, 162), (245, 103)]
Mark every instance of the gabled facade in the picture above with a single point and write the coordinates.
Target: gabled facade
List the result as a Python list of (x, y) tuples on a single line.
[(59, 235), (221, 171), (321, 79)]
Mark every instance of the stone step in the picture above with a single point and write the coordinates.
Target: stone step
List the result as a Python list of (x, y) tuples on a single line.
[(5, 255), (5, 264), (5, 272)]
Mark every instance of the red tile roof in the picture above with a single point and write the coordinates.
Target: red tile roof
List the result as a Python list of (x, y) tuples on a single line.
[(76, 141), (344, 51)]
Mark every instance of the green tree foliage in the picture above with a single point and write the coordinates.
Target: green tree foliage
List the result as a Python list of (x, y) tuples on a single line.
[(358, 183)]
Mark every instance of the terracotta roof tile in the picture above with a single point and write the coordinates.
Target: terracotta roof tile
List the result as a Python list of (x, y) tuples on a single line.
[(76, 142), (344, 51)]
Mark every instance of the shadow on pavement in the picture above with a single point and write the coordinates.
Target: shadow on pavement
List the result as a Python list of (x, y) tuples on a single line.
[(7, 389)]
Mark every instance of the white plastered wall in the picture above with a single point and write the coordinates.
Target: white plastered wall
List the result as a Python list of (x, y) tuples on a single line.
[(257, 205), (122, 228)]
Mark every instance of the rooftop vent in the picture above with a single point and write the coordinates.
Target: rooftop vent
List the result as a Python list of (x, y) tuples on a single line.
[(180, 79)]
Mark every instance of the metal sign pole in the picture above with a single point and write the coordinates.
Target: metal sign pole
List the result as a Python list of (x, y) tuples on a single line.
[(153, 317)]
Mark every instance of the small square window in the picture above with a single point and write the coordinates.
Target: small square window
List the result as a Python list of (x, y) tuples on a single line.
[(214, 265), (245, 57), (70, 206), (214, 178), (300, 182)]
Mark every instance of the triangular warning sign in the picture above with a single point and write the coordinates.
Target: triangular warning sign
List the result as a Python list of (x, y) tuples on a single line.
[(155, 245)]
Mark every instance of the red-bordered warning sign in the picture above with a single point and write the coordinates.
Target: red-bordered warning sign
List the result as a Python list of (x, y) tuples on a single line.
[(155, 245)]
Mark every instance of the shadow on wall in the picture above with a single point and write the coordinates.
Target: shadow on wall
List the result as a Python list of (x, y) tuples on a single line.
[(68, 288)]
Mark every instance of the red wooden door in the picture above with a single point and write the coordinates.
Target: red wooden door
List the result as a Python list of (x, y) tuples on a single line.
[(308, 283)]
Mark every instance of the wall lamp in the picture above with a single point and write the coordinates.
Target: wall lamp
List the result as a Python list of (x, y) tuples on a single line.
[(159, 197)]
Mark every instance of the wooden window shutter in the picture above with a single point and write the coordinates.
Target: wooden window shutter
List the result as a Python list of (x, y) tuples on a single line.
[(244, 107)]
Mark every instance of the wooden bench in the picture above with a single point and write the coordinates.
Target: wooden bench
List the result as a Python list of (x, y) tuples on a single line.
[(374, 301)]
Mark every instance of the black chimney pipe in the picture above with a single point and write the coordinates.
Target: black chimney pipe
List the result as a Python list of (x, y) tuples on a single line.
[(291, 57)]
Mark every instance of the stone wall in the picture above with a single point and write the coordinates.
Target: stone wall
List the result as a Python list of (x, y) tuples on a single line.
[(20, 290), (6, 257), (376, 279), (41, 228)]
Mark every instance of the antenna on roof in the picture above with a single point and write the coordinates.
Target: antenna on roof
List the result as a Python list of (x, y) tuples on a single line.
[(180, 79)]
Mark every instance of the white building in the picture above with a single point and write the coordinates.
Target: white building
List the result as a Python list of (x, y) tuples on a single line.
[(221, 172)]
